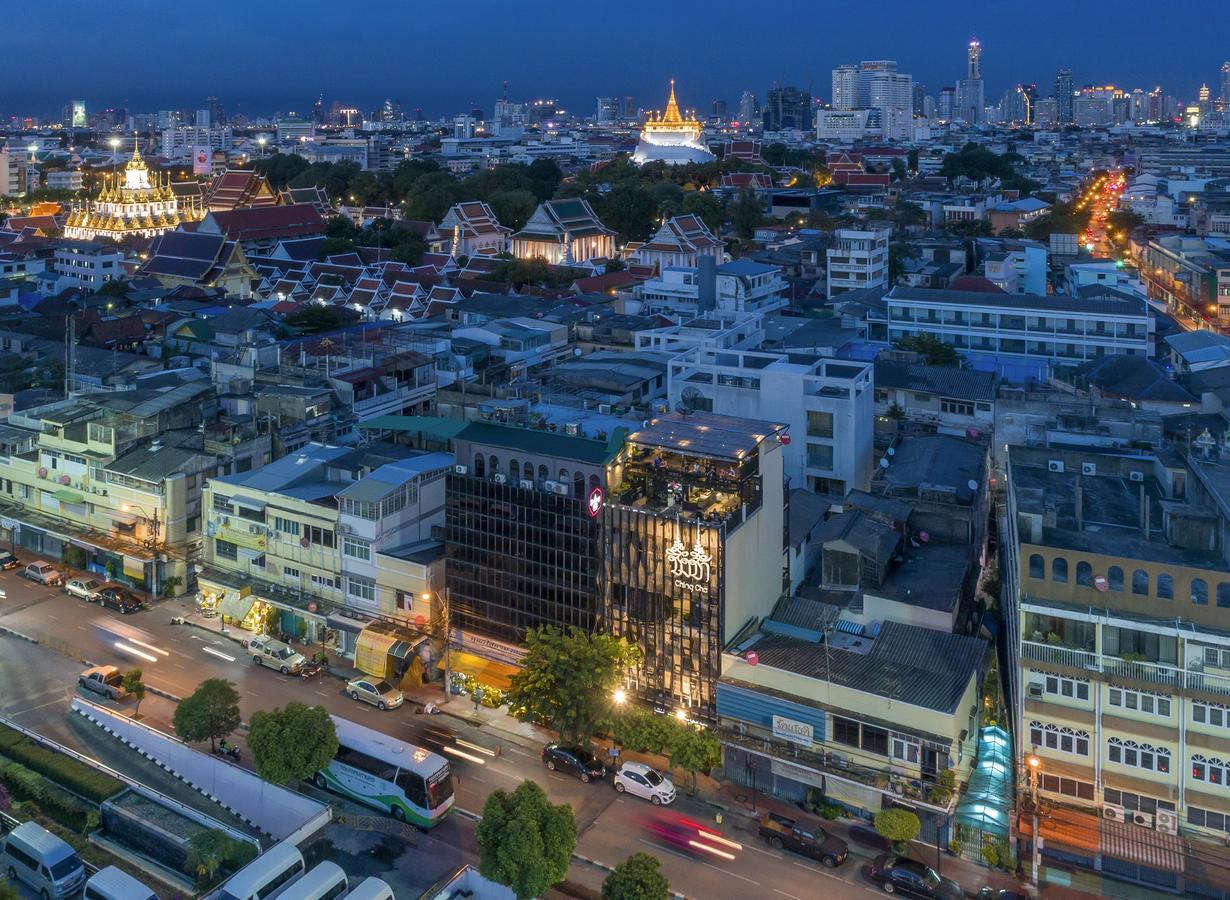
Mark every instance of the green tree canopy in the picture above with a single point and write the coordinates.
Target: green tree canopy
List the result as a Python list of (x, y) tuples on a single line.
[(900, 826), (208, 713), (629, 208), (115, 288), (293, 742), (212, 850), (314, 319), (898, 253), (568, 679), (707, 207), (933, 351), (524, 842), (513, 207), (639, 877), (695, 750), (135, 685), (1062, 218), (746, 214)]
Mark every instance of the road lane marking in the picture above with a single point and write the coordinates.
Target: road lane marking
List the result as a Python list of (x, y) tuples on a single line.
[(521, 752), (556, 777), (49, 616), (323, 693), (476, 778), (82, 628), (784, 894), (664, 848), (765, 852), (22, 712), (218, 653), (732, 874)]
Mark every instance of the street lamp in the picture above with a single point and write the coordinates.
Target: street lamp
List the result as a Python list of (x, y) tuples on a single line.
[(1034, 765), (620, 696), (448, 636), (115, 149), (261, 141), (152, 588)]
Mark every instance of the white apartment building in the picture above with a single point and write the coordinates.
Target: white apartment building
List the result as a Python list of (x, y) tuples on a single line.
[(178, 142), (65, 180), (881, 87), (827, 403), (741, 286), (858, 259), (847, 125), (845, 87), (88, 264)]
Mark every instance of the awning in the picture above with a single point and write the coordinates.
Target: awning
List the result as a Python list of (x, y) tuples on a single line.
[(849, 627), (235, 607), (345, 623), (123, 518), (1143, 846), (987, 801), (133, 567), (66, 496), (249, 503), (484, 671), (380, 643)]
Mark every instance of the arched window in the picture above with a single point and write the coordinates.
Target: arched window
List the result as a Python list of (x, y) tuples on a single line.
[(593, 482), (1165, 587), (1084, 574), (1200, 592), (1053, 737), (1114, 578), (1140, 582), (578, 484), (1209, 769), (1223, 594), (543, 475), (1059, 569), (479, 465), (563, 476), (1037, 566), (1138, 754), (514, 471), (493, 465)]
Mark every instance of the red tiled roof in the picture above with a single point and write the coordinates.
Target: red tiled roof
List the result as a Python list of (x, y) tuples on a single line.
[(260, 223)]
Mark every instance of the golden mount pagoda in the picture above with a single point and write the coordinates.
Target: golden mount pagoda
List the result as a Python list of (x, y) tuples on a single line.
[(671, 138), (134, 207)]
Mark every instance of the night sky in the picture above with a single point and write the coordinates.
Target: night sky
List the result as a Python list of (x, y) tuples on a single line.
[(266, 55)]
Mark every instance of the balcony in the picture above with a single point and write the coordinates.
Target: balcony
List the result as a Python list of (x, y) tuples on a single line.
[(1133, 669), (1057, 655), (1152, 673)]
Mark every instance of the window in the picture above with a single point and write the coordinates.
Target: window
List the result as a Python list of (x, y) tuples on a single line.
[(820, 456), (845, 731), (956, 407), (332, 582), (1137, 802), (1069, 787), (1145, 646), (1084, 574), (1200, 592), (514, 471), (1037, 566), (356, 549), (480, 465), (1203, 818), (225, 549), (875, 740), (1214, 714), (1138, 755), (289, 572), (1140, 582), (286, 526), (1165, 587), (322, 537), (1067, 687), (819, 424), (221, 504), (1140, 701), (1114, 578), (1055, 737), (1223, 594), (543, 475), (1059, 569), (1210, 770), (905, 748), (361, 589)]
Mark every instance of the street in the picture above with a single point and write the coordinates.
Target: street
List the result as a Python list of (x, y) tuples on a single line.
[(175, 658)]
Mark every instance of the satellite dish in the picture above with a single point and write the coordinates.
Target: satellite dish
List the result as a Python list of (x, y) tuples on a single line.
[(972, 484), (892, 451), (884, 462)]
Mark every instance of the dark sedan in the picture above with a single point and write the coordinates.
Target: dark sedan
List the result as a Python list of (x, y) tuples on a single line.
[(119, 598), (8, 560), (897, 875), (574, 760)]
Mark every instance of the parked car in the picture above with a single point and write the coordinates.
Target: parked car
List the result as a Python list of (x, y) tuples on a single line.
[(276, 655), (104, 680), (42, 572), (646, 782), (897, 875), (575, 760), (8, 560), (83, 588), (377, 693), (804, 835), (117, 597)]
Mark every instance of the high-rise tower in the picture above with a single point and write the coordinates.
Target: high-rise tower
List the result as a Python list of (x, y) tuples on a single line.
[(975, 60), (1063, 97)]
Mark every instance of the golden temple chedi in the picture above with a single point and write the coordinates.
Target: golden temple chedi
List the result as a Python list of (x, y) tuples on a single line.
[(135, 206), (671, 138)]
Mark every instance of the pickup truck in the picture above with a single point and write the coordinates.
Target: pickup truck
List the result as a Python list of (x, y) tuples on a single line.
[(104, 680), (806, 836), (276, 655)]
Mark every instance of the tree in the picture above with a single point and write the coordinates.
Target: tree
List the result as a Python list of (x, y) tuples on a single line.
[(638, 877), (745, 214), (513, 208), (900, 826), (208, 713), (933, 351), (899, 171), (907, 213), (524, 842), (568, 679), (898, 253), (213, 849), (115, 288), (969, 228), (630, 209), (8, 891), (136, 688), (313, 319), (293, 742), (694, 750), (705, 206)]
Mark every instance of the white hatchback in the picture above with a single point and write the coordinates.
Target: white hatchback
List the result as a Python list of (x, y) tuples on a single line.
[(645, 782)]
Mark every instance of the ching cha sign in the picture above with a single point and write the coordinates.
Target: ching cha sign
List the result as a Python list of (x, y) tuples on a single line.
[(690, 569)]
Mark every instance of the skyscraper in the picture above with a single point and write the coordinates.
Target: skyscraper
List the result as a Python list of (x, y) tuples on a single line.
[(881, 87), (971, 96), (749, 108), (1063, 96), (1225, 87), (919, 96), (947, 103), (787, 108), (845, 87)]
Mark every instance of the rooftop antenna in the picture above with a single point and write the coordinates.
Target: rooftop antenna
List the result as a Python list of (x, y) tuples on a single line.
[(70, 339), (505, 90)]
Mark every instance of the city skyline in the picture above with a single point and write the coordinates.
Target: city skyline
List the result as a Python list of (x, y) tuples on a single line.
[(263, 71)]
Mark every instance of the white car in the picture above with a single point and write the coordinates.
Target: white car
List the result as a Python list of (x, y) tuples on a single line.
[(646, 782), (83, 588)]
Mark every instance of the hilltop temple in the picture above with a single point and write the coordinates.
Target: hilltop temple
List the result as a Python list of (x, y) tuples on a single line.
[(671, 138), (134, 207)]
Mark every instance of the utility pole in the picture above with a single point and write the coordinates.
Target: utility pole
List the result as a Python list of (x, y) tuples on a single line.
[(448, 636), (1035, 844)]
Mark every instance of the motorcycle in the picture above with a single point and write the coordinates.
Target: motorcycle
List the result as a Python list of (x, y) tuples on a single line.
[(230, 751), (312, 670)]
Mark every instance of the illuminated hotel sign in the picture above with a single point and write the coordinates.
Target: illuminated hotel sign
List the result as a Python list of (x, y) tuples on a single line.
[(593, 504), (689, 568)]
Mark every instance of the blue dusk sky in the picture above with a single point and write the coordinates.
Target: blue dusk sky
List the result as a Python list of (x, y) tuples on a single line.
[(265, 55)]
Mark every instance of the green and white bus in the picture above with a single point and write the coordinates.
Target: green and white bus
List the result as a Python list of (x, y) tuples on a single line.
[(411, 783)]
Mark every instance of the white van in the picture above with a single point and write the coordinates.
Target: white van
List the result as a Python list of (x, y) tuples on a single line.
[(325, 882), (370, 888), (115, 884), (34, 855), (266, 876)]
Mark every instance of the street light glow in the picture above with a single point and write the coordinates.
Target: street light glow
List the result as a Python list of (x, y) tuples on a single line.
[(621, 695), (681, 715), (1034, 762)]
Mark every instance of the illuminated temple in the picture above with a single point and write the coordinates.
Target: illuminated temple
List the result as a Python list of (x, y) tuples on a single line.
[(671, 138), (133, 207)]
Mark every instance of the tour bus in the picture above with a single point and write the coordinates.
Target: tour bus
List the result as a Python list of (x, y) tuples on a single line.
[(412, 783)]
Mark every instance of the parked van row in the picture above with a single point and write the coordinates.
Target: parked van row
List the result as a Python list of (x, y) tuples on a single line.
[(281, 872), (32, 855)]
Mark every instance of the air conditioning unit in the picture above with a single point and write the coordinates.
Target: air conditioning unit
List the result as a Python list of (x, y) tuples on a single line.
[(460, 469), (1055, 465), (225, 520), (345, 529), (499, 478), (1143, 819), (1166, 821), (604, 409), (275, 535), (557, 487), (1035, 691), (1088, 468), (1136, 476), (526, 483), (1114, 813)]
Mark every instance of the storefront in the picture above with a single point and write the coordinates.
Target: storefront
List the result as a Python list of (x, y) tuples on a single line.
[(387, 651)]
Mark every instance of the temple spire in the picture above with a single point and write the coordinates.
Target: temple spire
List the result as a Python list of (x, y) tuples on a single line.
[(672, 107)]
